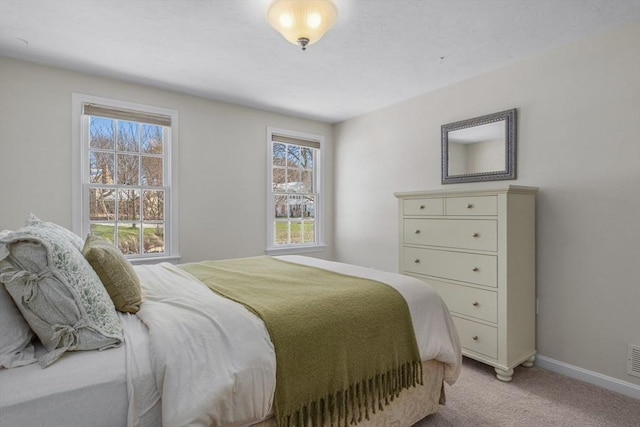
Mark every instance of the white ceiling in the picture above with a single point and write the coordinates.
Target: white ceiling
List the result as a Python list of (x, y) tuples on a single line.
[(379, 52)]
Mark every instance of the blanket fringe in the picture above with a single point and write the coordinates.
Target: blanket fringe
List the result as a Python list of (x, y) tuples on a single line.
[(359, 400)]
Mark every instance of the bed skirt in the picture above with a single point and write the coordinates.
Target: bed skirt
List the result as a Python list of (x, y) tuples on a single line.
[(413, 404)]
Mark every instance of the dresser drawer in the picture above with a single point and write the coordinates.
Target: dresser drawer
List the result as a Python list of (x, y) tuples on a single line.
[(477, 337), (476, 234), (423, 206), (464, 267), (469, 301), (472, 205)]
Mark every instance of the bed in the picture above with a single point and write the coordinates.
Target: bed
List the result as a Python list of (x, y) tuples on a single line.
[(190, 356)]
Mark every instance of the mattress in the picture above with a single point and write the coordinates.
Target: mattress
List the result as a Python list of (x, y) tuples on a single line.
[(83, 388)]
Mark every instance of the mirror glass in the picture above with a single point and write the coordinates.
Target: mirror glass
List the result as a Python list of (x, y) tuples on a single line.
[(479, 149)]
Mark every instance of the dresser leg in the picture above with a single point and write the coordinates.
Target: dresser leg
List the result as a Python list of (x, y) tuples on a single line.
[(504, 375), (529, 362)]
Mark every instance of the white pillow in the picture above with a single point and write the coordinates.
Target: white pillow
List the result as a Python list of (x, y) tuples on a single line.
[(15, 334)]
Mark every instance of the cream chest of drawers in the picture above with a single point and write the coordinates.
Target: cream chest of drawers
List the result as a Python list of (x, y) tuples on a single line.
[(477, 249)]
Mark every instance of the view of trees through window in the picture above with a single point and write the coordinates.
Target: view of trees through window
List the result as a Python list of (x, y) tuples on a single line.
[(294, 194), (126, 179)]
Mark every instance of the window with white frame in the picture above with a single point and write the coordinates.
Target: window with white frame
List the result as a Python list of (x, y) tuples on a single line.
[(294, 193), (127, 188)]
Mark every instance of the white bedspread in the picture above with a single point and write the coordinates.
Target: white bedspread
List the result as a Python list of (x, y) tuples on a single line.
[(214, 362), (213, 359)]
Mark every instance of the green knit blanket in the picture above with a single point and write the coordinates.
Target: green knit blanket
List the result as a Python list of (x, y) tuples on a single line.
[(344, 346)]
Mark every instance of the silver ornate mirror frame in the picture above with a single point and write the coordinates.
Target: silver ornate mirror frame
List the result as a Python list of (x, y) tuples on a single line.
[(449, 171)]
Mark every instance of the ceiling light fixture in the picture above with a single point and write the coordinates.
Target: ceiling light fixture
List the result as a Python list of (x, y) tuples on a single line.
[(302, 22)]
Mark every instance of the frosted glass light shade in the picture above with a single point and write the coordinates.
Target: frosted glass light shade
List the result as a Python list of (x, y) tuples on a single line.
[(302, 22)]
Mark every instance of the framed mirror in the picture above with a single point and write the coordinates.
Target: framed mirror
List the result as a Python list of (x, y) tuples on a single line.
[(480, 149)]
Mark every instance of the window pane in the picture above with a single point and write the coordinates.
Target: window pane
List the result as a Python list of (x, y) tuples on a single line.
[(279, 179), (309, 232), (152, 171), (306, 185), (307, 157), (308, 210), (281, 233), (294, 179), (293, 156), (280, 203), (153, 238), (102, 204), (296, 232), (128, 166), (295, 207), (279, 154), (104, 230), (128, 205), (129, 238), (152, 139), (101, 133), (101, 167), (128, 136), (153, 206)]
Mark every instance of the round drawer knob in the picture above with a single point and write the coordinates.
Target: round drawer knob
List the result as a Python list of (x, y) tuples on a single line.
[(476, 234), (421, 206), (417, 261), (476, 269), (469, 206), (475, 303), (417, 232), (475, 338)]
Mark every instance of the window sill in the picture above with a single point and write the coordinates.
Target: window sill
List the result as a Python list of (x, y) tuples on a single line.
[(173, 259), (290, 250)]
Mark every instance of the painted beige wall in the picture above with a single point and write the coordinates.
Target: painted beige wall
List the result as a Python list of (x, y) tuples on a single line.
[(578, 141), (222, 158)]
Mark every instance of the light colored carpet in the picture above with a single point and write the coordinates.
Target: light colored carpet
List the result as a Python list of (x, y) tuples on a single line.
[(535, 397)]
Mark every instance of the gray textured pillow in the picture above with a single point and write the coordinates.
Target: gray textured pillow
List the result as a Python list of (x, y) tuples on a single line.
[(115, 271), (57, 292), (15, 334)]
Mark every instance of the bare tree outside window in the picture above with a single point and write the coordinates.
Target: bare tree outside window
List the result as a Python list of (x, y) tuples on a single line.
[(126, 184)]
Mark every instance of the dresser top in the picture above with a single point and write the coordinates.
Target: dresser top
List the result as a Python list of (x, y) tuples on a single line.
[(444, 192)]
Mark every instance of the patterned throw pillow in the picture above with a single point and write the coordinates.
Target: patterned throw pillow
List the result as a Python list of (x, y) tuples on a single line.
[(57, 292), (63, 233), (116, 272)]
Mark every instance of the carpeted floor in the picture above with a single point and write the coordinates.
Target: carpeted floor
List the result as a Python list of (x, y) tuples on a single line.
[(535, 398)]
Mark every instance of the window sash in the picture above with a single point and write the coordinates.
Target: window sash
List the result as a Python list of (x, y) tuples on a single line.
[(139, 188)]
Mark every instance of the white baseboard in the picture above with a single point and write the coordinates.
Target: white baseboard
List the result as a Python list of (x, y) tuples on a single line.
[(590, 377)]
